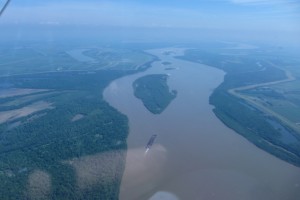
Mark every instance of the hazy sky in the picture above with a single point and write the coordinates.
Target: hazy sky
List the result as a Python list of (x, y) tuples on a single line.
[(277, 16)]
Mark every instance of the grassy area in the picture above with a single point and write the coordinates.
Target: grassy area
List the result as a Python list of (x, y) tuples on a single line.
[(289, 87), (21, 101), (118, 59), (283, 98), (154, 92)]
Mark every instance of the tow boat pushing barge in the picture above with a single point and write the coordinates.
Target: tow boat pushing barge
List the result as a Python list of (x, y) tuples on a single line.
[(150, 142)]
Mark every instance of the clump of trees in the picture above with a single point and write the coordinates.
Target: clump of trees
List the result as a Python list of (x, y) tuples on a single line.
[(154, 92)]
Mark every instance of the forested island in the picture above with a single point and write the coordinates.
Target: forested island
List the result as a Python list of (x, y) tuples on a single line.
[(154, 92), (264, 129)]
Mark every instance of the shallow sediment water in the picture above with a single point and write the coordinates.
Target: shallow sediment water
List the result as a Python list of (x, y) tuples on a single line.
[(195, 156)]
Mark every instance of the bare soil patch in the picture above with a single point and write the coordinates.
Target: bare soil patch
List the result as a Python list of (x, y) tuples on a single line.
[(77, 117), (7, 116), (39, 185), (96, 169), (11, 92)]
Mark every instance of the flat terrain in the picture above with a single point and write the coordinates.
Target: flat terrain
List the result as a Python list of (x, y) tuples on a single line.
[(278, 103), (282, 105), (11, 92), (35, 58), (11, 115)]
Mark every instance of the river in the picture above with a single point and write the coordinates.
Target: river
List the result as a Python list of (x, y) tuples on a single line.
[(195, 156)]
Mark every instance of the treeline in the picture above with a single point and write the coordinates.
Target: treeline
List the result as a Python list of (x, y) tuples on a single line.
[(77, 80)]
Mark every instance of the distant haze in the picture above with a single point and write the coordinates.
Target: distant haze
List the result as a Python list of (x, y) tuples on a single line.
[(257, 20)]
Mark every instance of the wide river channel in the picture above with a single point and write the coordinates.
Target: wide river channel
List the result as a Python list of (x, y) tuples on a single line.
[(195, 156)]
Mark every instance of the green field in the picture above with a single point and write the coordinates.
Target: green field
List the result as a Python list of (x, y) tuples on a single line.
[(283, 98)]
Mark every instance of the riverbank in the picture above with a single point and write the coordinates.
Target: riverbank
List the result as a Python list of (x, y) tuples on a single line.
[(195, 155)]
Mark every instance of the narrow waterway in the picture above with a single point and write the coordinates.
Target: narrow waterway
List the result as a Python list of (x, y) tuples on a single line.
[(195, 156)]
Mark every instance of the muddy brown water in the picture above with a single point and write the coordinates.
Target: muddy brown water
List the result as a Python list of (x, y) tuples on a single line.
[(195, 156)]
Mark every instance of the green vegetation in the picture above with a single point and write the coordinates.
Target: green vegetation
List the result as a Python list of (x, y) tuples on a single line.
[(262, 129), (283, 99), (47, 141), (121, 59), (38, 59), (154, 92), (20, 101), (48, 146)]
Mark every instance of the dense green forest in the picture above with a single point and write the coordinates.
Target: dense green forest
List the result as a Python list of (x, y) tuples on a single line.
[(45, 154), (242, 117), (154, 92)]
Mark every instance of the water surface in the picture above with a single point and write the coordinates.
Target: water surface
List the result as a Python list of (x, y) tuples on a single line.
[(195, 156)]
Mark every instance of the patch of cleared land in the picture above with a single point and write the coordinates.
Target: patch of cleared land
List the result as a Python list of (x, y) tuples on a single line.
[(266, 106), (11, 92), (78, 55), (39, 185), (11, 115), (27, 99), (77, 117), (98, 168)]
